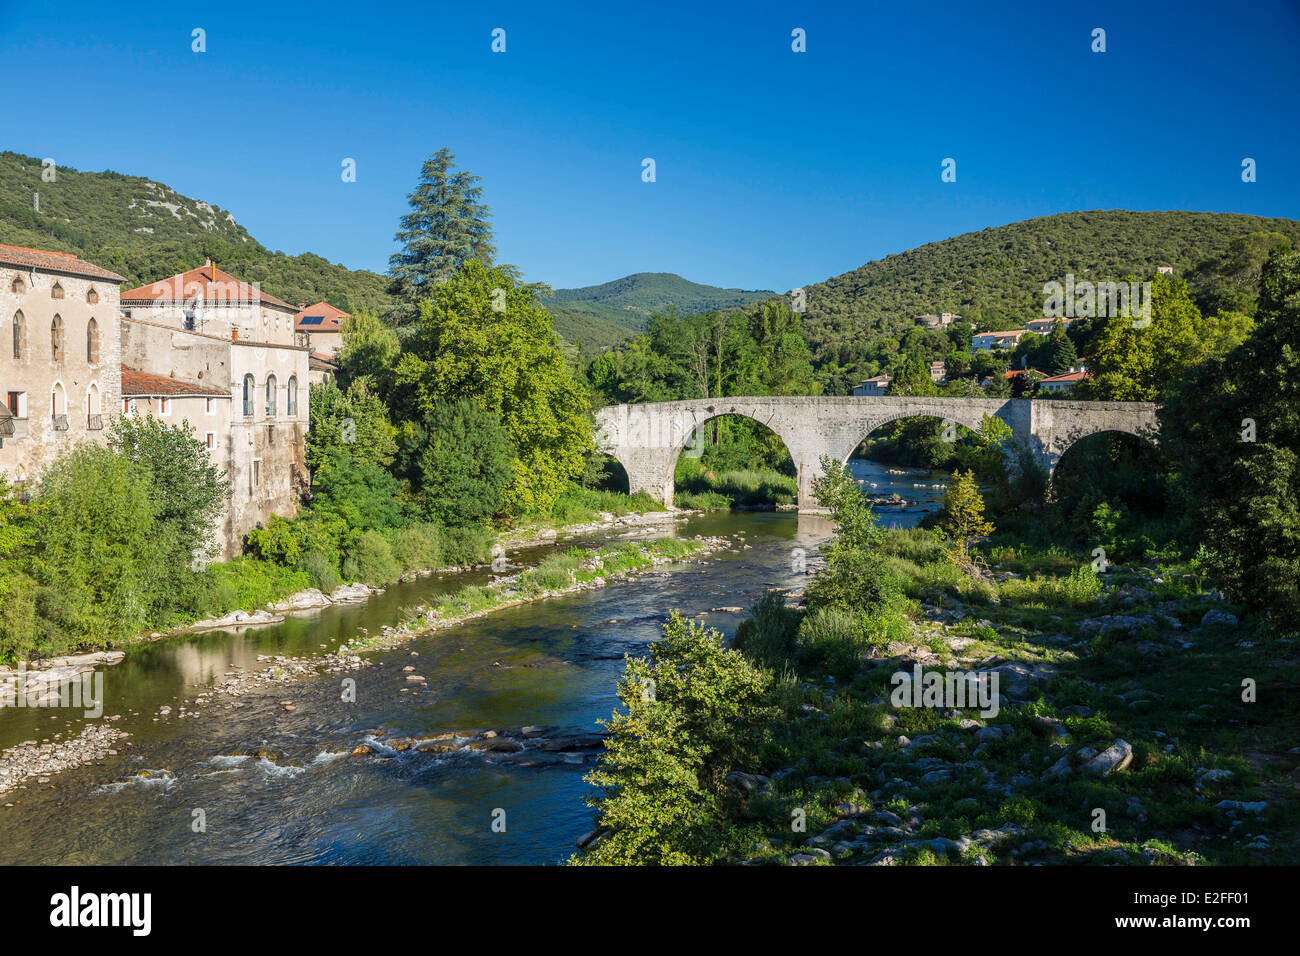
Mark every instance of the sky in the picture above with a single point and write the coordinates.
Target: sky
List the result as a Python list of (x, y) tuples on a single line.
[(774, 169)]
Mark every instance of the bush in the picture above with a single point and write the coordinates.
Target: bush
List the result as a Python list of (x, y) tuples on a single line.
[(371, 561), (833, 639), (418, 547), (324, 573), (768, 636), (465, 546)]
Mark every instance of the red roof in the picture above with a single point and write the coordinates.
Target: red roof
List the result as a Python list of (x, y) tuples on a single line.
[(212, 282), (137, 384), (54, 261), (1068, 377), (322, 317)]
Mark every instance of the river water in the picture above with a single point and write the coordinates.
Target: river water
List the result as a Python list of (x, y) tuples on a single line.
[(552, 663)]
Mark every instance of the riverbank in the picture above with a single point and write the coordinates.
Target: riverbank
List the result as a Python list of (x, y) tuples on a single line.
[(577, 570), (1128, 724)]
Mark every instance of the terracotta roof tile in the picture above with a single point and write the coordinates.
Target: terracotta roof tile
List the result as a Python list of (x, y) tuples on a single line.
[(136, 384), (54, 261), (186, 285)]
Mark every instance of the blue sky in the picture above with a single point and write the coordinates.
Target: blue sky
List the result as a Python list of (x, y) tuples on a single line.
[(774, 169)]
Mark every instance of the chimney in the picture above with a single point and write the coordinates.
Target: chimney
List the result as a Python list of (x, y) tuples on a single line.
[(234, 335), (301, 306)]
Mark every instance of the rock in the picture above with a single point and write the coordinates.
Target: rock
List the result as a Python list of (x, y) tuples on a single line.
[(1212, 776), (1232, 807), (888, 818), (748, 782), (1115, 757), (1058, 770), (889, 857), (361, 750), (351, 593), (987, 734), (302, 601), (1217, 618), (936, 777)]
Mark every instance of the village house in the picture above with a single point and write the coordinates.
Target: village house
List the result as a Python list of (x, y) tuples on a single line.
[(322, 323), (988, 341), (941, 321), (938, 371), (1065, 381), (60, 370), (206, 408), (876, 386), (1044, 326), (206, 329)]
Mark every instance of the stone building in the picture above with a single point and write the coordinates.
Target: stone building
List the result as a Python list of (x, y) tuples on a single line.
[(205, 329), (322, 323), (60, 366)]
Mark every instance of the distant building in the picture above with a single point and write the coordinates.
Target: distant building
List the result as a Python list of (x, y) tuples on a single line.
[(988, 341), (938, 371), (321, 367), (941, 321), (322, 323), (60, 367), (873, 387), (1065, 381), (1044, 326), (1165, 270)]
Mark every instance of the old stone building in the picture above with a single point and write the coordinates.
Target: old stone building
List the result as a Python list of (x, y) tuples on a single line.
[(60, 365), (207, 329), (322, 323)]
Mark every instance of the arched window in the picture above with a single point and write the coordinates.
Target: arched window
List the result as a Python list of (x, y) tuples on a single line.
[(248, 396), (56, 291), (57, 350), (94, 409), (92, 342), (92, 296), (292, 404), (270, 396), (59, 407), (20, 335), (18, 286)]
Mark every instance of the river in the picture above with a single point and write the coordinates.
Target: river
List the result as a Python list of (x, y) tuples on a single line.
[(552, 664)]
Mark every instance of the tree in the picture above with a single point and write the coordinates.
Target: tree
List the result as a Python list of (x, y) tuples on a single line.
[(355, 421), (857, 575), (446, 227), (483, 337), (188, 489), (370, 347), (693, 711), (459, 463), (962, 517), (1061, 352), (1233, 428)]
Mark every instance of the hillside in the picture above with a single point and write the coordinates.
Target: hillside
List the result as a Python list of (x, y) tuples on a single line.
[(995, 277), (145, 230), (609, 313)]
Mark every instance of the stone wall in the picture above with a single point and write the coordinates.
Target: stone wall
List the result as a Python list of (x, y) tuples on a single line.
[(81, 389)]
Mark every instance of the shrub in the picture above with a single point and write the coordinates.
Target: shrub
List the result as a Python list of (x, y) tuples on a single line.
[(324, 573), (418, 546), (832, 638), (371, 561), (468, 545), (768, 636)]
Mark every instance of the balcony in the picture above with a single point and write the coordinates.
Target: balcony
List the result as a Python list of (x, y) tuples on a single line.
[(60, 423), (95, 423)]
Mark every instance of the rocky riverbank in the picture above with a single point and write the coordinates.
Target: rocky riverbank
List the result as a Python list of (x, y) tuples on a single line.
[(40, 761)]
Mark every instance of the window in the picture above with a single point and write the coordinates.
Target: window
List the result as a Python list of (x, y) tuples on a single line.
[(56, 291), (18, 286), (210, 438), (126, 406), (270, 396), (94, 410), (92, 296), (209, 406), (17, 402), (292, 404), (59, 407), (20, 335), (255, 476), (92, 342), (57, 352), (164, 406), (248, 396)]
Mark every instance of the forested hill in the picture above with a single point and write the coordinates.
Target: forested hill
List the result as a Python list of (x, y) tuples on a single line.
[(606, 314), (995, 276), (145, 230)]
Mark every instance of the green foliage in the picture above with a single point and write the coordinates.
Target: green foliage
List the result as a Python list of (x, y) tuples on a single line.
[(369, 351), (767, 637), (418, 546), (446, 227), (962, 517), (693, 711), (506, 361), (857, 575), (371, 561), (354, 421), (458, 460), (1245, 494)]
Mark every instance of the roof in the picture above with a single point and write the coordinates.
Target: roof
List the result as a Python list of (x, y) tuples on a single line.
[(1013, 372), (139, 384), (1005, 334), (55, 262), (244, 343), (322, 360), (186, 285), (878, 378), (1067, 377), (321, 317)]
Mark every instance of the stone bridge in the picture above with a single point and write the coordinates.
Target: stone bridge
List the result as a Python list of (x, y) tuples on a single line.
[(647, 439)]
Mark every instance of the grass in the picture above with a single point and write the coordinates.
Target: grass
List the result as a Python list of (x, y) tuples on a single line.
[(707, 490)]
